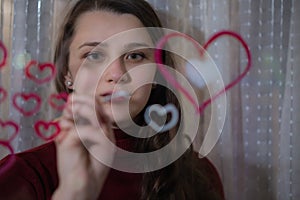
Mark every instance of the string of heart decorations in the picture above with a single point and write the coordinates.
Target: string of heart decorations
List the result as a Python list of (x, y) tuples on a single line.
[(56, 101)]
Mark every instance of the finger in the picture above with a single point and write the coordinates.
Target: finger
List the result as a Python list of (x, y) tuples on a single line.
[(85, 136), (93, 101), (90, 108), (75, 102), (97, 142), (67, 112), (65, 123), (84, 114), (62, 135), (102, 116), (89, 99), (102, 128)]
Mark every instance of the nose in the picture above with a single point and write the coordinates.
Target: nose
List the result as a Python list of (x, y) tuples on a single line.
[(115, 72)]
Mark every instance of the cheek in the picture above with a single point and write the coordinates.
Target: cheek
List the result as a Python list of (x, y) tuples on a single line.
[(142, 82), (85, 82), (140, 99), (85, 78), (142, 75), (143, 93)]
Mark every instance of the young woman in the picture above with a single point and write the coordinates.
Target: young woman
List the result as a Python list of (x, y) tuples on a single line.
[(90, 67)]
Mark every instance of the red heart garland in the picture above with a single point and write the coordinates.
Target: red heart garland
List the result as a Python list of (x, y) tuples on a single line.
[(40, 67), (4, 50), (27, 97), (3, 94), (174, 82), (57, 97), (41, 126), (12, 125)]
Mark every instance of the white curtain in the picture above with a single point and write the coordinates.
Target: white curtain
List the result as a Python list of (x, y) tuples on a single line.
[(257, 153), (27, 32)]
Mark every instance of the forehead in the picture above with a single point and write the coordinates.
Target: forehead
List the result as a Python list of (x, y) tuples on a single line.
[(98, 26)]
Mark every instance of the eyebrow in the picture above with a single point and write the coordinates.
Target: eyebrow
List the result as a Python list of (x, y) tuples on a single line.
[(136, 45), (91, 44), (127, 46)]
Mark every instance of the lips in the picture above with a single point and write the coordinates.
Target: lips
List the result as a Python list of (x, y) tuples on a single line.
[(116, 96)]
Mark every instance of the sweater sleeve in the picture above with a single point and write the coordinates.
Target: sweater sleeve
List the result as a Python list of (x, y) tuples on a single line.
[(29, 175)]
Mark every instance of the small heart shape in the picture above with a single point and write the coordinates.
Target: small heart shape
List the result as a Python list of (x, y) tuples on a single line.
[(43, 128), (27, 98), (58, 101), (41, 68), (4, 55), (3, 94), (172, 80), (5, 126), (161, 111)]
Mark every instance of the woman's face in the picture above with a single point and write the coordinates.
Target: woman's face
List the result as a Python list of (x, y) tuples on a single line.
[(107, 60)]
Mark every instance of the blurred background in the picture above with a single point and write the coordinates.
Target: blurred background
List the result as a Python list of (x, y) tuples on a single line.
[(256, 154)]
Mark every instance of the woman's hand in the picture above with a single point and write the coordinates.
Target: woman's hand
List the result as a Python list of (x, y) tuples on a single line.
[(84, 127)]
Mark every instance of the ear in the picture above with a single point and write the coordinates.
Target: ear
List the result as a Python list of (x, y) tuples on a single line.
[(69, 81)]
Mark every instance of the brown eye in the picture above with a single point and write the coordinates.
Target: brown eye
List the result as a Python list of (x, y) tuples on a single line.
[(135, 57)]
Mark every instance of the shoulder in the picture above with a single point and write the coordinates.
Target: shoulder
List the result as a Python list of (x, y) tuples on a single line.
[(210, 173), (32, 172), (41, 153)]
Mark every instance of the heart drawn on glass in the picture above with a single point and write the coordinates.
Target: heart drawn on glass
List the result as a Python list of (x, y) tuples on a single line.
[(4, 55), (45, 72), (161, 111), (172, 80), (27, 104), (12, 129), (47, 130), (9, 127), (10, 160), (58, 101)]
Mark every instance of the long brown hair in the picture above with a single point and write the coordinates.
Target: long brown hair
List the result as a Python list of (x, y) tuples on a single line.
[(179, 179)]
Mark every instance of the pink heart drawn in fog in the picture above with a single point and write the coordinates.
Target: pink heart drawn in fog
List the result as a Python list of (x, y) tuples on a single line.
[(41, 128), (7, 143), (26, 98), (4, 55), (11, 125), (10, 160), (3, 94), (201, 51), (58, 101), (41, 67)]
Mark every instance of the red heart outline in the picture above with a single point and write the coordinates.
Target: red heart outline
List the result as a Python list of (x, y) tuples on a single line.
[(10, 160), (4, 50), (27, 97), (3, 93), (41, 67), (63, 96), (8, 146), (13, 125), (46, 126), (174, 82)]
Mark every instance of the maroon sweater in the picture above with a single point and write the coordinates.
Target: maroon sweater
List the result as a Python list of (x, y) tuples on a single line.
[(32, 175)]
